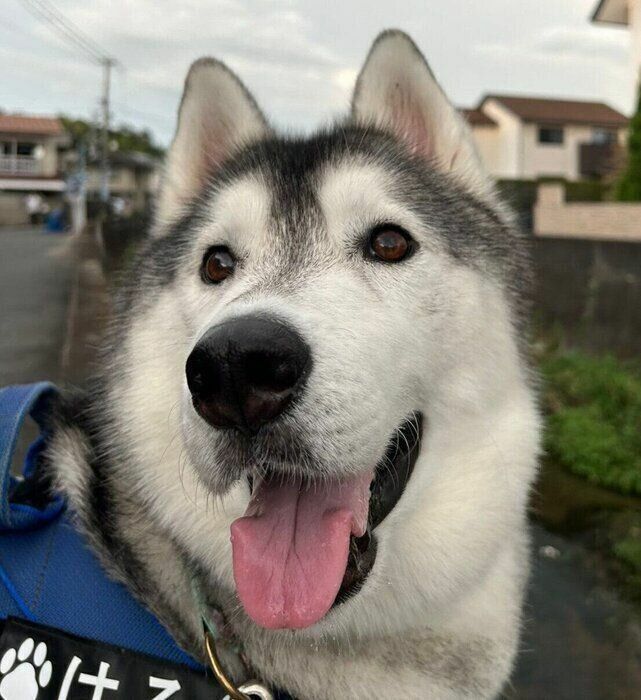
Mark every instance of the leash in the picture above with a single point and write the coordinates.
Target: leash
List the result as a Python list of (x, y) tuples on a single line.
[(212, 634)]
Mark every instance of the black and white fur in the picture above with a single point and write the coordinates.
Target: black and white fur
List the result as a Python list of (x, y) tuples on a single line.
[(155, 488)]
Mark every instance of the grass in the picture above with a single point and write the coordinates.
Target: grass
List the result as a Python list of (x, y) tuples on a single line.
[(593, 407), (591, 480), (623, 538)]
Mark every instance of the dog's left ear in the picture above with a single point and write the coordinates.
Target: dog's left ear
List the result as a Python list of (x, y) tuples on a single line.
[(396, 91)]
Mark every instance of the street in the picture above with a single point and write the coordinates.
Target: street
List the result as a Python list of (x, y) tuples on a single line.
[(36, 278)]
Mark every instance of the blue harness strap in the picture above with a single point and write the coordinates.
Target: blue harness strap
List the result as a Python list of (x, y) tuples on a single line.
[(48, 574), (16, 403)]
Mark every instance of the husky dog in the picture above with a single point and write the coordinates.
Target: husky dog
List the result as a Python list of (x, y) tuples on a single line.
[(316, 398)]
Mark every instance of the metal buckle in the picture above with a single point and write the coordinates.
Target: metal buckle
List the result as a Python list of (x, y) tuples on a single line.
[(253, 689), (247, 691)]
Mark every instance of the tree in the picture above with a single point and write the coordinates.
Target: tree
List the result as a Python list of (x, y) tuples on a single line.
[(629, 184), (126, 138)]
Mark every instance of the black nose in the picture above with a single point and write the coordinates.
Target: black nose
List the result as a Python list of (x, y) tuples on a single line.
[(244, 372)]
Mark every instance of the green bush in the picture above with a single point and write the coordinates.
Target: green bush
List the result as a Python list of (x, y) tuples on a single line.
[(594, 419), (523, 192), (629, 551), (586, 191)]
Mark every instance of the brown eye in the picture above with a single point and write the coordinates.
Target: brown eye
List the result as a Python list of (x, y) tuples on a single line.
[(390, 244), (218, 264)]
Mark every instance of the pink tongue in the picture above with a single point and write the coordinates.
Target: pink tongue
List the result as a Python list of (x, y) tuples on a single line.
[(290, 549)]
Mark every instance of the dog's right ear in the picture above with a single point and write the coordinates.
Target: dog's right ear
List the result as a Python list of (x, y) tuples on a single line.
[(217, 115)]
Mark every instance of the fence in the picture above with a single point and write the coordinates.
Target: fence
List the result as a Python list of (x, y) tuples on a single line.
[(587, 257), (603, 221), (19, 165)]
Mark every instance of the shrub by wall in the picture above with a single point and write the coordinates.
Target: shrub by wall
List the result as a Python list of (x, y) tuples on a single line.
[(593, 407)]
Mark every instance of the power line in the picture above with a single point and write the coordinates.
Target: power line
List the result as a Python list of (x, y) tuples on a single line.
[(46, 12)]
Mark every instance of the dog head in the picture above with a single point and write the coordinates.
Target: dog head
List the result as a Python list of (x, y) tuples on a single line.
[(327, 313)]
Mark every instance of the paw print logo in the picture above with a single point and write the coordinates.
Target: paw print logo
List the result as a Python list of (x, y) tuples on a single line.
[(25, 671)]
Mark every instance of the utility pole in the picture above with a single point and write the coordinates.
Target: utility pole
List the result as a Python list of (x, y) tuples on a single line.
[(46, 12), (107, 65)]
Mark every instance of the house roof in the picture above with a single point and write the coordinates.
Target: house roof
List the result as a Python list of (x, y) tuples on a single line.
[(553, 111), (22, 124), (611, 12), (475, 117)]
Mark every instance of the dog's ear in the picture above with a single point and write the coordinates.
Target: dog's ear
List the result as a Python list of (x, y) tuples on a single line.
[(217, 115), (396, 91)]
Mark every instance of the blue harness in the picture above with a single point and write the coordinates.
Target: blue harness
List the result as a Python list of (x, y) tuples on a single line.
[(48, 575), (52, 584)]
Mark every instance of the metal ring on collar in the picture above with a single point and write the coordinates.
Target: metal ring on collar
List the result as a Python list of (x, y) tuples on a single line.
[(246, 691)]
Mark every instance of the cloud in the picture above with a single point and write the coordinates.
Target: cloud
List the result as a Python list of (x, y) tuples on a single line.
[(300, 57), (271, 45), (579, 43), (565, 44), (592, 62)]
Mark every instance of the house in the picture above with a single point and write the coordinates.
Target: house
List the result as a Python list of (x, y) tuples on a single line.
[(525, 138), (30, 162), (134, 178), (625, 13)]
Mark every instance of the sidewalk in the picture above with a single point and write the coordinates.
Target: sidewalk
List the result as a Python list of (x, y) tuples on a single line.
[(88, 312), (54, 307)]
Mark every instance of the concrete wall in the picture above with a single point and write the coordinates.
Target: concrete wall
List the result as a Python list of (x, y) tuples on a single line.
[(605, 221), (12, 209), (591, 292), (587, 259)]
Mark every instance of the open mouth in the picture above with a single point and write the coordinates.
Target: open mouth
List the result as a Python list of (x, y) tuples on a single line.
[(304, 547)]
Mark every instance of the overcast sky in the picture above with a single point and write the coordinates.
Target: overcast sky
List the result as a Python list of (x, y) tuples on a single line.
[(300, 57)]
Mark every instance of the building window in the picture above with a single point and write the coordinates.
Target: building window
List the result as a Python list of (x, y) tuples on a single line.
[(604, 136), (6, 148), (25, 149), (550, 135)]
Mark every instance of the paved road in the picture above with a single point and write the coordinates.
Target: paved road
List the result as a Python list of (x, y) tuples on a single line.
[(36, 274), (581, 641)]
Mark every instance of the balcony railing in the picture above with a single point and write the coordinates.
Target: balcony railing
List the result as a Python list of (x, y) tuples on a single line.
[(19, 165)]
